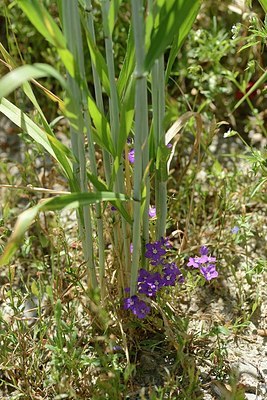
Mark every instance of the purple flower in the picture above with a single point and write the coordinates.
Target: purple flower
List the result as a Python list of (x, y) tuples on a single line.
[(166, 243), (116, 348), (204, 251), (169, 145), (171, 273), (155, 252), (235, 230), (131, 156), (169, 279), (143, 275), (198, 261), (152, 211), (192, 263), (131, 248), (138, 307), (171, 268), (130, 302), (149, 283), (209, 272)]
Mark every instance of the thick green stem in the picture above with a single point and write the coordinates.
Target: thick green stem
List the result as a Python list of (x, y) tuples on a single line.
[(158, 106), (141, 132), (115, 119), (97, 86), (72, 31)]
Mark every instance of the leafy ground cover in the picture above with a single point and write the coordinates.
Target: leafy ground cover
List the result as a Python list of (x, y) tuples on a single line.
[(201, 338)]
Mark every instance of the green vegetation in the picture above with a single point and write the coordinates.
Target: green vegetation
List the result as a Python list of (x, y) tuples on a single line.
[(132, 179)]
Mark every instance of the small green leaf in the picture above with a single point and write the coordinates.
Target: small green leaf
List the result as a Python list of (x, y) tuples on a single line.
[(230, 133), (34, 289)]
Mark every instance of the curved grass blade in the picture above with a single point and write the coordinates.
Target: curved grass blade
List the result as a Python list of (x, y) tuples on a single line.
[(128, 65), (53, 146), (263, 3), (182, 31), (45, 24), (256, 85), (101, 186), (113, 12), (102, 132), (68, 201), (20, 75), (170, 16)]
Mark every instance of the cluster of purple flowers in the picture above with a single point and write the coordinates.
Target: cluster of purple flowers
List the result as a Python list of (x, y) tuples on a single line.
[(149, 283), (205, 264)]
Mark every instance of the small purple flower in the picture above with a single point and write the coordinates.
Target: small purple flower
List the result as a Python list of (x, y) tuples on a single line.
[(202, 259), (155, 252), (169, 145), (171, 273), (166, 243), (131, 156), (235, 230), (198, 261), (171, 268), (143, 275), (137, 306), (131, 248), (149, 283), (116, 348), (147, 289), (192, 263), (209, 272), (152, 211), (169, 279), (211, 259), (130, 302), (113, 208), (204, 251)]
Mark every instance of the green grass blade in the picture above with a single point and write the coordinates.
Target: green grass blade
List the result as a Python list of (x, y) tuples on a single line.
[(53, 146), (256, 85), (102, 187), (76, 200), (182, 31), (128, 65), (102, 132), (68, 201), (99, 62), (126, 116), (170, 15), (263, 3), (113, 12), (26, 88), (18, 76), (45, 24)]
